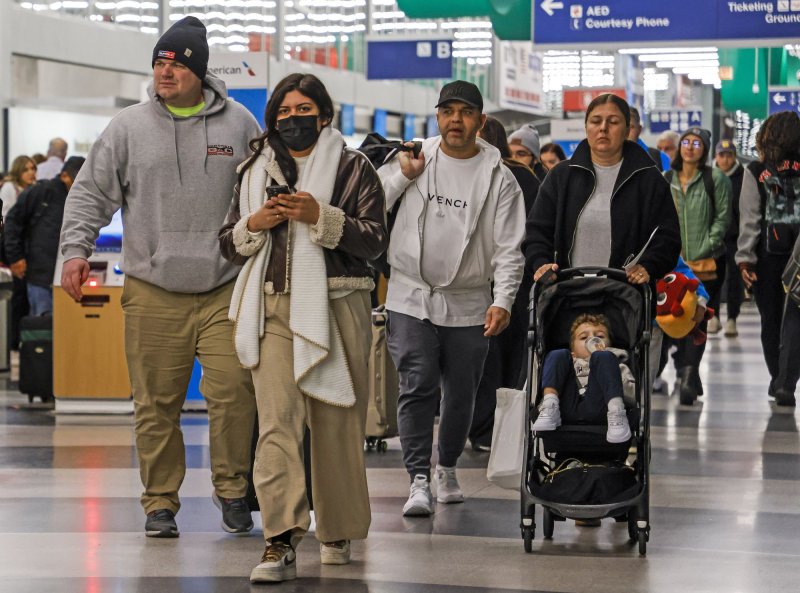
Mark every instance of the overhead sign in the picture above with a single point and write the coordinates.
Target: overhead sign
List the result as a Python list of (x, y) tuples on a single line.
[(579, 99), (678, 120), (620, 23), (409, 58), (240, 70), (520, 77), (245, 76), (784, 99)]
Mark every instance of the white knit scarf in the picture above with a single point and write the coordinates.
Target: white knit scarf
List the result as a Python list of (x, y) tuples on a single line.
[(320, 364)]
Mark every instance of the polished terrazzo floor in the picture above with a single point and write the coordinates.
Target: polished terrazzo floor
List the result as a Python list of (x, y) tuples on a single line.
[(725, 511)]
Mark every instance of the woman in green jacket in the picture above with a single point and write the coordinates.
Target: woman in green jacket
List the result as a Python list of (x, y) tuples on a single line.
[(703, 219)]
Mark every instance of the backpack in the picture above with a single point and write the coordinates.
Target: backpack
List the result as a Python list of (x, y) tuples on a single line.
[(380, 151), (791, 275), (780, 209)]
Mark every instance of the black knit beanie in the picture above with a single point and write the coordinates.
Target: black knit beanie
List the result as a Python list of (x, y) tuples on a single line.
[(703, 134), (185, 42)]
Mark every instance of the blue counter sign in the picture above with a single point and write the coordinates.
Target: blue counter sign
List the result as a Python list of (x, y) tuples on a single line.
[(583, 23)]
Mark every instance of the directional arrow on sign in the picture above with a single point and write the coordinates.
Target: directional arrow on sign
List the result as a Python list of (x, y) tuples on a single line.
[(549, 6), (779, 99)]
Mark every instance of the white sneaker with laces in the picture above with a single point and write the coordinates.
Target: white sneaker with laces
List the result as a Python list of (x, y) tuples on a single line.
[(731, 331), (279, 563), (447, 489), (619, 431), (335, 552), (420, 501), (549, 415), (714, 325)]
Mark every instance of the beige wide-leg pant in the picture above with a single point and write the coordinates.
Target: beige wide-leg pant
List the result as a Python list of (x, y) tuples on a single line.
[(164, 332), (341, 499)]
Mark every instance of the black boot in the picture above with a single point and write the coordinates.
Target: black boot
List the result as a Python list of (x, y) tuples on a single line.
[(686, 385), (784, 397)]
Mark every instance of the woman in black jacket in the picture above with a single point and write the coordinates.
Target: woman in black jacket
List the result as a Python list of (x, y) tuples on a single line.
[(601, 207)]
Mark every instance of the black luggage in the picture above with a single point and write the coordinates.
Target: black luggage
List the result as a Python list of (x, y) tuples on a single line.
[(36, 357)]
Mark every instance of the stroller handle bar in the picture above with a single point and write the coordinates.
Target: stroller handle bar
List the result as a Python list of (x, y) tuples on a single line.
[(611, 273)]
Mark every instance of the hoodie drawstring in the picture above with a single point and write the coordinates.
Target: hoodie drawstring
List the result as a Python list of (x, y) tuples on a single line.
[(205, 135), (175, 142)]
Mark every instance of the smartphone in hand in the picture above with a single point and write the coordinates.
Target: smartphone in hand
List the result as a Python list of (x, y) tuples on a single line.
[(274, 191)]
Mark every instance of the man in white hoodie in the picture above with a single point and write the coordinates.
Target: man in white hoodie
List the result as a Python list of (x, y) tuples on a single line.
[(170, 164), (458, 230)]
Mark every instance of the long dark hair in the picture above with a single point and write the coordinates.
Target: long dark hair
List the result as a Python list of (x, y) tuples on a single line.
[(309, 86), (621, 104), (778, 139), (495, 134)]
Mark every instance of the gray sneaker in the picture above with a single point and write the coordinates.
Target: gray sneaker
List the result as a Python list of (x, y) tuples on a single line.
[(279, 563), (420, 500), (236, 516), (161, 523), (447, 489)]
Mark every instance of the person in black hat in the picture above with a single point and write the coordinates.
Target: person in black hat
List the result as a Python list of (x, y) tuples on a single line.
[(170, 165), (32, 231), (442, 308)]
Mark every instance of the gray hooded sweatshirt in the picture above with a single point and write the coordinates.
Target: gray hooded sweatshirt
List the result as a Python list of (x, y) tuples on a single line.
[(173, 178)]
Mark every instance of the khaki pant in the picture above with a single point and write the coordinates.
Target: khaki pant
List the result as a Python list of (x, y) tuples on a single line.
[(164, 332), (341, 499)]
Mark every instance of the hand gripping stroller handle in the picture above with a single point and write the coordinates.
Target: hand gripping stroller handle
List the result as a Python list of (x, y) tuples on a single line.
[(611, 273)]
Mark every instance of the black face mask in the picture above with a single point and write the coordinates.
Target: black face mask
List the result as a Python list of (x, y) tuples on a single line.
[(298, 132)]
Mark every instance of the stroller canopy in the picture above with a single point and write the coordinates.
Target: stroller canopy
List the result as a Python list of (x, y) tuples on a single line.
[(621, 303)]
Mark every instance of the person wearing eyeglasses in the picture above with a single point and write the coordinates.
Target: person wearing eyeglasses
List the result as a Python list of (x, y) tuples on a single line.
[(702, 196)]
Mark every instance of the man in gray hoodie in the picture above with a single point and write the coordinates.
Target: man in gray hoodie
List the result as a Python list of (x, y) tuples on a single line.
[(170, 164)]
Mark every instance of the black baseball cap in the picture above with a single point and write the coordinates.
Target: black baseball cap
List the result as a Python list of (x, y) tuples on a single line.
[(461, 90)]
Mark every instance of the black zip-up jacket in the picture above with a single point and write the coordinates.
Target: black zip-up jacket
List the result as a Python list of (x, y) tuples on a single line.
[(641, 202), (33, 228)]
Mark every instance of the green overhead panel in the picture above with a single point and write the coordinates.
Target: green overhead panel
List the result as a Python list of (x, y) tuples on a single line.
[(775, 67), (443, 9), (511, 19)]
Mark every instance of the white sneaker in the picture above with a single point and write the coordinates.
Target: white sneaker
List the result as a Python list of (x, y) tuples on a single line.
[(731, 330), (335, 552), (447, 489), (714, 325), (549, 416), (279, 563), (619, 431), (420, 501)]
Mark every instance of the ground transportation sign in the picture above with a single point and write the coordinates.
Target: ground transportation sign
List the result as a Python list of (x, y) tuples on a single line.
[(620, 23)]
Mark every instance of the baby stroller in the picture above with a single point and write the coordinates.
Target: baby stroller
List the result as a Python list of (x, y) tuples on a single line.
[(608, 479)]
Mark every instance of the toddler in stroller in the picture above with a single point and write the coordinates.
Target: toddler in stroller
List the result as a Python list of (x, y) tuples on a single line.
[(587, 384)]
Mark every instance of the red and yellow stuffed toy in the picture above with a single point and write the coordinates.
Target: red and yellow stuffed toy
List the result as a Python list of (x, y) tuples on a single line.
[(676, 306)]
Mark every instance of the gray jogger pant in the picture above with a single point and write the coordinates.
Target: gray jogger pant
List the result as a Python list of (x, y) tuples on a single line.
[(433, 359)]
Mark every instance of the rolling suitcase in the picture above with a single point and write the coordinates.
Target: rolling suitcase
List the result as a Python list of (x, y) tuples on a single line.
[(36, 357), (384, 387)]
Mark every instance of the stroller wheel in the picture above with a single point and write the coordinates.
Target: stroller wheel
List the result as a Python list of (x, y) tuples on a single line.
[(643, 542), (548, 523), (527, 540)]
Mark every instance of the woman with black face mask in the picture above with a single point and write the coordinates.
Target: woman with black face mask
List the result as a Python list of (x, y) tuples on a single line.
[(307, 216)]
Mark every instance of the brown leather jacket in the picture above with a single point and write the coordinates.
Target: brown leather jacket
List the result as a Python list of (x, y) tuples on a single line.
[(357, 193)]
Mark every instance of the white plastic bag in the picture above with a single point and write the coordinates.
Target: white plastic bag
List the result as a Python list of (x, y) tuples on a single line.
[(508, 439)]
